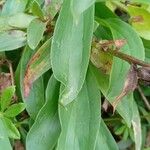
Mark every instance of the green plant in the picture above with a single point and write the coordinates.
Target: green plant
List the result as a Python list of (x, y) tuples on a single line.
[(7, 116), (70, 62)]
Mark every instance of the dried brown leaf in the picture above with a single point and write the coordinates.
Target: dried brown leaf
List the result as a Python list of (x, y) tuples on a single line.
[(109, 44), (5, 80), (129, 86), (144, 74)]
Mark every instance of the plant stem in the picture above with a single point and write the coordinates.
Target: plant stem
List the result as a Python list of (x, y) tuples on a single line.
[(144, 98), (120, 119), (112, 119), (128, 58)]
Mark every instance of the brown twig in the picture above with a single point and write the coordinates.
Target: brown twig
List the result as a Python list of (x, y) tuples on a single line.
[(128, 58), (144, 98)]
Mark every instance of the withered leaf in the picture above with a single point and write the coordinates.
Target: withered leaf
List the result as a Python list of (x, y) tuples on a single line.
[(106, 106), (144, 74), (112, 44), (101, 59), (5, 80), (129, 86), (38, 64)]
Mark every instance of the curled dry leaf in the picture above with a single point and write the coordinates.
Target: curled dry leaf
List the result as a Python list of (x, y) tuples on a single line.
[(107, 107), (112, 44), (5, 80), (144, 75), (129, 85), (100, 58)]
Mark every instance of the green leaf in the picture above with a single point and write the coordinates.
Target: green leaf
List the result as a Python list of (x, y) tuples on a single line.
[(100, 0), (52, 7), (134, 47), (147, 148), (4, 26), (38, 65), (78, 7), (80, 120), (136, 123), (142, 1), (70, 50), (13, 6), (4, 141), (125, 134), (144, 112), (140, 21), (105, 140), (12, 40), (39, 1), (120, 130), (35, 100), (102, 79), (19, 21), (6, 97), (35, 33), (36, 10), (12, 131), (100, 8), (14, 110), (46, 129)]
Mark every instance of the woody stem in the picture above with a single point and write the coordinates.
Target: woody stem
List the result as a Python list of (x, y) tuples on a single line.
[(128, 58)]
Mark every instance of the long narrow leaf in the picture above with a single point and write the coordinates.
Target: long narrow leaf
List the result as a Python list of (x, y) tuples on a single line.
[(71, 50), (136, 123), (80, 120), (105, 141), (47, 122), (35, 99), (38, 64)]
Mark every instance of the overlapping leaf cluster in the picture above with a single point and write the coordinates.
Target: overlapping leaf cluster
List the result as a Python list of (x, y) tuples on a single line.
[(63, 77)]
